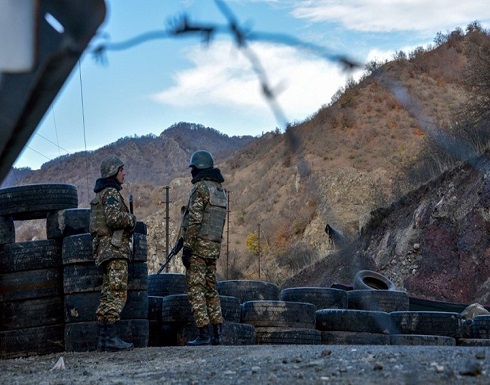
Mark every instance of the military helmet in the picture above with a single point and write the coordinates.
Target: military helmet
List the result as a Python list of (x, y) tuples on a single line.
[(110, 166), (201, 159)]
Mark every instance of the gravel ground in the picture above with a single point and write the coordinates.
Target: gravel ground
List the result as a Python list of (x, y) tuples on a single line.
[(258, 364)]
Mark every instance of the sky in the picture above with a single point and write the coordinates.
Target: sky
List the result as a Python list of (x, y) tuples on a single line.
[(147, 87)]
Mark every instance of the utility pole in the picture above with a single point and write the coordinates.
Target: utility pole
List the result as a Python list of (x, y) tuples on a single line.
[(167, 221), (258, 242), (227, 232)]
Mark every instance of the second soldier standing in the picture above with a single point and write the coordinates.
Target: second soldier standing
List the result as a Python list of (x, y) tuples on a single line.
[(203, 225)]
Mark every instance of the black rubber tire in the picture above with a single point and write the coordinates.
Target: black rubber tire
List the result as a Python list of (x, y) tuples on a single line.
[(87, 277), (473, 342), (81, 307), (31, 341), (421, 340), (249, 290), (378, 300), (140, 248), (321, 297), (78, 249), (427, 323), (33, 255), (354, 338), (7, 230), (155, 308), (35, 201), (176, 308), (141, 228), (232, 334), (480, 327), (31, 284), (370, 280), (164, 284), (279, 314), (353, 321), (82, 336), (63, 223), (31, 313), (287, 336)]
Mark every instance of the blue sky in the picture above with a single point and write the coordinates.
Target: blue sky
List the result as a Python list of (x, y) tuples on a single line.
[(147, 88)]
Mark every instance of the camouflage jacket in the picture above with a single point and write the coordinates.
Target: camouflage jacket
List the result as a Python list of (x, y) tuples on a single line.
[(111, 223), (205, 215)]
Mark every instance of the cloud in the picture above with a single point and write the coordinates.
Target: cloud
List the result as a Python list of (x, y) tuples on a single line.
[(221, 76), (394, 15)]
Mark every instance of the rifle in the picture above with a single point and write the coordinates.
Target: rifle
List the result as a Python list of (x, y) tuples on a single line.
[(175, 250), (131, 245), (180, 243)]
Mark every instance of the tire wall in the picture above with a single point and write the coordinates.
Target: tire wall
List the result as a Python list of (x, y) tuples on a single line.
[(82, 282), (31, 299), (31, 273), (50, 289)]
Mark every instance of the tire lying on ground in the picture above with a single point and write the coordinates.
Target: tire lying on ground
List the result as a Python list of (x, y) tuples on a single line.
[(421, 340), (35, 201), (354, 338), (378, 300), (480, 327), (82, 336), (321, 297), (353, 321), (370, 280), (427, 323), (279, 314), (31, 341), (233, 333), (287, 336), (249, 290)]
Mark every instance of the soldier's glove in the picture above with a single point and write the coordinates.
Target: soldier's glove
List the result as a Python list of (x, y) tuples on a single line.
[(186, 257)]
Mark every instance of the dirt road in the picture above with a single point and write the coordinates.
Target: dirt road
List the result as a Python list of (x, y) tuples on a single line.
[(258, 364)]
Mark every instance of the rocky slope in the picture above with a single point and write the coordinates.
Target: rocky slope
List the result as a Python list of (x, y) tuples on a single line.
[(433, 243)]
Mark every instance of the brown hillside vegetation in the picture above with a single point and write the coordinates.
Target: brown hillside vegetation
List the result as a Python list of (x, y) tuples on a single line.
[(364, 150)]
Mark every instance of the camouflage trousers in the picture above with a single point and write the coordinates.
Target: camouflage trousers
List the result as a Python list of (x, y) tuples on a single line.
[(201, 287), (114, 290)]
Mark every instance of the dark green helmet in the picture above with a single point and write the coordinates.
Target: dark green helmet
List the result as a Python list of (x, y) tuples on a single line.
[(201, 159), (110, 166)]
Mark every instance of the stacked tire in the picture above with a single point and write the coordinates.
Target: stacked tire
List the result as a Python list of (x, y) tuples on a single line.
[(171, 319), (159, 287), (31, 292), (82, 283)]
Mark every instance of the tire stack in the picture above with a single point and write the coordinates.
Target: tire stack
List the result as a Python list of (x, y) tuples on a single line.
[(275, 321), (379, 314), (478, 331), (31, 292), (172, 320), (82, 283), (160, 286)]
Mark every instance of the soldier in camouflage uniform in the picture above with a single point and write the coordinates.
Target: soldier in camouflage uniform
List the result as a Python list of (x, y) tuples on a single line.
[(203, 230), (111, 226)]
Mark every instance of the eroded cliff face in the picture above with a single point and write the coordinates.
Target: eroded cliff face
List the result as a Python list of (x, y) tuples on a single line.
[(434, 242)]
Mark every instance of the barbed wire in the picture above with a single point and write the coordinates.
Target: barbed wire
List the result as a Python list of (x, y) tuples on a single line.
[(241, 37)]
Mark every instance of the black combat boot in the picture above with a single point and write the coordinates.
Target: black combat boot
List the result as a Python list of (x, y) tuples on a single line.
[(216, 337), (203, 337), (101, 336), (113, 343)]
